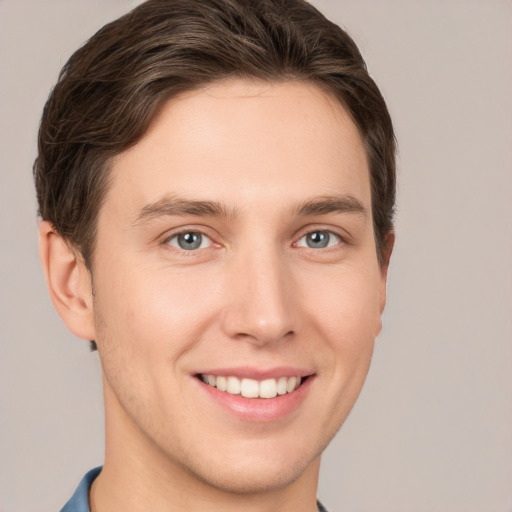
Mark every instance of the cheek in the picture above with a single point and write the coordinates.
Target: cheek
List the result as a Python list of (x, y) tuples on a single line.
[(347, 317), (347, 305), (154, 313), (144, 325), (344, 313)]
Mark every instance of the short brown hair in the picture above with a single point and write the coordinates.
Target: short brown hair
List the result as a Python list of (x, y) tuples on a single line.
[(111, 88)]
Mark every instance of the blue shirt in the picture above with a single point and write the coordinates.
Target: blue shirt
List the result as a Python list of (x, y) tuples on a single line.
[(79, 502)]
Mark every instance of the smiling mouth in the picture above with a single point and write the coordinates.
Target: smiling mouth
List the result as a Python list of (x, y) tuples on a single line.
[(251, 388)]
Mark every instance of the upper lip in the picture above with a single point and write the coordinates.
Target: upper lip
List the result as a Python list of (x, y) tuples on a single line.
[(247, 372)]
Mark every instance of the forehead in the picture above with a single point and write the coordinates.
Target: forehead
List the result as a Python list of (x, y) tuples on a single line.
[(245, 142)]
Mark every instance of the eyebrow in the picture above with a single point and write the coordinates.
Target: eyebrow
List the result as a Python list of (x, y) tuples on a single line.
[(173, 206), (332, 204)]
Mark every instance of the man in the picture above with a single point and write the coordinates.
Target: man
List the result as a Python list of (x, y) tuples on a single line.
[(216, 184)]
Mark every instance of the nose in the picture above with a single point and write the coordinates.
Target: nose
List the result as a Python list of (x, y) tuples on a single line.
[(260, 308)]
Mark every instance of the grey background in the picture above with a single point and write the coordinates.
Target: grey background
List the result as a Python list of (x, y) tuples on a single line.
[(432, 430)]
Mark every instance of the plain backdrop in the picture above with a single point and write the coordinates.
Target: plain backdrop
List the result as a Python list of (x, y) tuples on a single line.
[(432, 430)]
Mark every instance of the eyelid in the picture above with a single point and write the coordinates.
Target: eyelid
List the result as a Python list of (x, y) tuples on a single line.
[(172, 233), (203, 238), (338, 240), (342, 236)]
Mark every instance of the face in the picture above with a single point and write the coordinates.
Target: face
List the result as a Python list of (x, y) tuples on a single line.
[(235, 246)]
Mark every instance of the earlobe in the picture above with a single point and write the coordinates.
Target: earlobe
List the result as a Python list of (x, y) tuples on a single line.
[(68, 280)]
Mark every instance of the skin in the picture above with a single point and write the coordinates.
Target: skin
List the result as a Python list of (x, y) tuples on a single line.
[(253, 295)]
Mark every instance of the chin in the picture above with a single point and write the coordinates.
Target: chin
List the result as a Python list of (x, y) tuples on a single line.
[(255, 468), (245, 479)]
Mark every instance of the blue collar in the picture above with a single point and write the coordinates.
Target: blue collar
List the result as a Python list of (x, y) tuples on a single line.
[(79, 502)]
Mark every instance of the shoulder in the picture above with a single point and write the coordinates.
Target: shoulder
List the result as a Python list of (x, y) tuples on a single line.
[(320, 507)]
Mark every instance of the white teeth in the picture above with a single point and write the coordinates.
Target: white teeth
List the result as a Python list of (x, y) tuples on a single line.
[(281, 385), (251, 388), (268, 388), (233, 386), (290, 385), (222, 383)]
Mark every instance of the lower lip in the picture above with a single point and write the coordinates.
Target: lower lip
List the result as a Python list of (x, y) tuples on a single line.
[(259, 410)]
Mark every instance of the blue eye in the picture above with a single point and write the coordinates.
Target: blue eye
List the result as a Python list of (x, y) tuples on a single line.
[(319, 240), (190, 241)]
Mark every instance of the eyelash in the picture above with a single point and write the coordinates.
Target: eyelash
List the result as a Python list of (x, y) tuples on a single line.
[(331, 234), (338, 239), (203, 236)]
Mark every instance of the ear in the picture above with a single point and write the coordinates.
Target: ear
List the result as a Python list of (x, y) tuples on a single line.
[(389, 243), (68, 280)]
